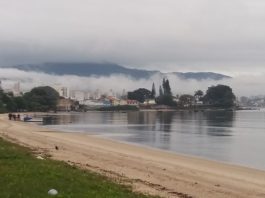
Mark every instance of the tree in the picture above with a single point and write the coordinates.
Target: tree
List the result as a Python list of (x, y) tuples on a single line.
[(2, 105), (220, 96), (186, 100), (198, 95), (153, 92), (165, 95), (20, 103), (41, 99), (161, 92), (166, 87), (7, 103), (140, 95)]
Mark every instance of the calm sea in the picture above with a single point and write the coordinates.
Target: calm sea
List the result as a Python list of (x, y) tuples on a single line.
[(227, 136)]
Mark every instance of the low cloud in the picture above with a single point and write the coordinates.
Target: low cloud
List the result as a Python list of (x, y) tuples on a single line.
[(242, 85)]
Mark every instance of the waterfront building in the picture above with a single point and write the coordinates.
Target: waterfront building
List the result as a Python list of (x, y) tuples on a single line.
[(118, 102), (149, 102), (132, 102), (65, 104)]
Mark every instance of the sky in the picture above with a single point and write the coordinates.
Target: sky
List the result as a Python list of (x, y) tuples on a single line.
[(166, 35)]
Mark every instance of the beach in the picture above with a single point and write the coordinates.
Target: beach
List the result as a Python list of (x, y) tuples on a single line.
[(148, 170)]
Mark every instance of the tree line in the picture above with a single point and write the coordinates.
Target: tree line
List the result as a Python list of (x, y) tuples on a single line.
[(38, 99), (219, 96)]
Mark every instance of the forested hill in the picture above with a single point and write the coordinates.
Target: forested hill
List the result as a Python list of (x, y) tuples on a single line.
[(107, 69)]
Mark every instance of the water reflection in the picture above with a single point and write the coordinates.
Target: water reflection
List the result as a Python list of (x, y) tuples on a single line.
[(220, 135), (214, 123), (165, 120), (220, 122)]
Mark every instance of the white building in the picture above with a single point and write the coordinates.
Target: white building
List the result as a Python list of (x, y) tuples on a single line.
[(149, 102), (78, 95), (16, 89), (63, 91)]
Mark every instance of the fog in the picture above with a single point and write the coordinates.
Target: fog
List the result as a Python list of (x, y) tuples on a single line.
[(241, 85)]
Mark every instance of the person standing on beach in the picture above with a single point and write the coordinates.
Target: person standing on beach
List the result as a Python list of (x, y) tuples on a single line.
[(10, 116)]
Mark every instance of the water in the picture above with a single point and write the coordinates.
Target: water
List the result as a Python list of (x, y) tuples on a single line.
[(227, 136)]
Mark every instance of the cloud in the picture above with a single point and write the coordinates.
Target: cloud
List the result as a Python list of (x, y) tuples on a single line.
[(242, 85), (192, 35)]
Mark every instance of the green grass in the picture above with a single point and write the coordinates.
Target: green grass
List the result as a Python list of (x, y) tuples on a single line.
[(22, 175)]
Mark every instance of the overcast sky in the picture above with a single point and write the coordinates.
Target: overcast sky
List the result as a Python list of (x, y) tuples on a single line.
[(225, 36)]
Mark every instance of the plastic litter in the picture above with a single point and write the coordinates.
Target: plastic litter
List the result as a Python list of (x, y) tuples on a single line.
[(39, 157), (52, 192)]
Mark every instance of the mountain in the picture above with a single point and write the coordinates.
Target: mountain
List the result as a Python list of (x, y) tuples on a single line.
[(201, 75), (107, 69)]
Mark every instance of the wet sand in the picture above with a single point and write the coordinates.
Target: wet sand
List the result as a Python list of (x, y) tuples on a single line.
[(147, 170)]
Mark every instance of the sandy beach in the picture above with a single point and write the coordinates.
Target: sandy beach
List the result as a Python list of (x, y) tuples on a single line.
[(147, 170)]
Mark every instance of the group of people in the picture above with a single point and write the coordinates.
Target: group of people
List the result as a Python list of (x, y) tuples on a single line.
[(15, 117)]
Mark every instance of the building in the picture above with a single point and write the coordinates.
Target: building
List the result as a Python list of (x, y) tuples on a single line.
[(62, 91), (149, 102), (78, 95), (132, 102), (16, 89), (65, 104), (97, 94), (117, 102)]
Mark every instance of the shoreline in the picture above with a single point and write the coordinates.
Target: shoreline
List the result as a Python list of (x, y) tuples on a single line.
[(108, 138), (148, 170)]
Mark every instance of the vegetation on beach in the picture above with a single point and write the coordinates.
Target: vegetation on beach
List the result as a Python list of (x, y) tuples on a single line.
[(23, 175)]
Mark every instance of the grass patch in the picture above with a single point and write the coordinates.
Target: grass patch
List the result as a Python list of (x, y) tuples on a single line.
[(22, 175)]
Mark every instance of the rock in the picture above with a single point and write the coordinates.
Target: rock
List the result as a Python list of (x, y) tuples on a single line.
[(52, 192)]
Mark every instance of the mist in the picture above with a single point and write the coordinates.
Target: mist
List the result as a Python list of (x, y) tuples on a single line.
[(241, 85)]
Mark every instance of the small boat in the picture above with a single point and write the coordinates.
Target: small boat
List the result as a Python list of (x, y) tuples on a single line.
[(30, 119)]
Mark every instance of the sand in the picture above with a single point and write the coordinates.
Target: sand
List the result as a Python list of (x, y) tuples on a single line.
[(147, 170)]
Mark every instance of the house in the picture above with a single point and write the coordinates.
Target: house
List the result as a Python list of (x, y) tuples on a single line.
[(132, 102), (118, 102), (149, 102)]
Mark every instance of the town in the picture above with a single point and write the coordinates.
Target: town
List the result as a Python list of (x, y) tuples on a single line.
[(60, 98)]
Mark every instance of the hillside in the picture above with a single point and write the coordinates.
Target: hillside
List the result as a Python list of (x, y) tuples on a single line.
[(107, 69)]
